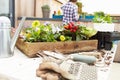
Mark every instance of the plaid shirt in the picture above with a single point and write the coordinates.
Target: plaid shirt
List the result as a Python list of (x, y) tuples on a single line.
[(70, 12)]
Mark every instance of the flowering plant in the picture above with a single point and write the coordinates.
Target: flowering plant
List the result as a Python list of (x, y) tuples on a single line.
[(50, 33), (79, 32)]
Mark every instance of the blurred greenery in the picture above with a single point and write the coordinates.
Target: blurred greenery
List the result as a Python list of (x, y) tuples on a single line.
[(101, 17)]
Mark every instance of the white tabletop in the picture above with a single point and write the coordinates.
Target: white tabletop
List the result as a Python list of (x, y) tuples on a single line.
[(21, 67)]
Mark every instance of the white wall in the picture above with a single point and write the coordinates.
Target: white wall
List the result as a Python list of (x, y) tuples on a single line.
[(4, 6), (108, 6)]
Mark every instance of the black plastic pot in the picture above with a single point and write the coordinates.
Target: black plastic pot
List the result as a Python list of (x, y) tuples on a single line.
[(105, 39)]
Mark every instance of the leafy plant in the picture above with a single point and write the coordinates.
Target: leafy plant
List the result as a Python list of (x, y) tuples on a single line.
[(101, 17), (46, 7), (50, 33), (79, 32), (79, 4), (38, 33)]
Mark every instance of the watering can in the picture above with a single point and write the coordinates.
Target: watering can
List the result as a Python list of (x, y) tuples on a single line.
[(7, 43)]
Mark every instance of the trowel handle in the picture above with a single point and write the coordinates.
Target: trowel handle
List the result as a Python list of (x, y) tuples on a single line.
[(84, 58)]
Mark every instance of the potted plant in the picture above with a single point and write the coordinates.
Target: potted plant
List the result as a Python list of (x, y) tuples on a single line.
[(45, 11), (103, 22), (79, 4)]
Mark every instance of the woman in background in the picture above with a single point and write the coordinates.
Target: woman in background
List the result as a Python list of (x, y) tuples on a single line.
[(70, 12)]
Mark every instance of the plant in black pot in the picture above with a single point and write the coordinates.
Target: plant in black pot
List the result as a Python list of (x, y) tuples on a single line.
[(46, 11)]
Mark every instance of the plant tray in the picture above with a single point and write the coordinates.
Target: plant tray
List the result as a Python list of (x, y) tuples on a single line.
[(30, 49)]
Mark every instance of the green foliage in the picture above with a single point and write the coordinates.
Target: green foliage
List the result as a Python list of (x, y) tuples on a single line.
[(85, 33), (46, 7), (48, 33), (101, 17), (79, 4), (43, 34)]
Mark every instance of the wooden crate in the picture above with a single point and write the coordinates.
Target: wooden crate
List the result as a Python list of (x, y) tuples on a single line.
[(30, 49)]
